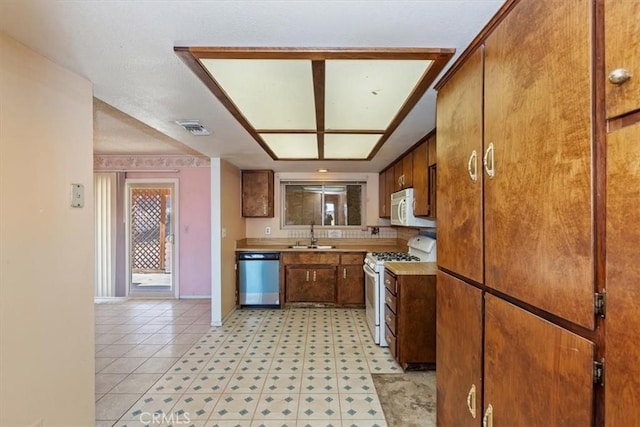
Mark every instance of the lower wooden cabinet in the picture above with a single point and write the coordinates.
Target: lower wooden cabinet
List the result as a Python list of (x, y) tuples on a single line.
[(410, 319), (546, 369), (351, 280), (323, 277), (310, 284)]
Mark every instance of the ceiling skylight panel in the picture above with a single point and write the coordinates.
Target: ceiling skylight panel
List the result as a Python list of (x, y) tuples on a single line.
[(270, 94), (292, 145), (349, 146), (367, 94)]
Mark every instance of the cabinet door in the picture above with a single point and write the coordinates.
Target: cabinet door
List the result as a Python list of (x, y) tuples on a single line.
[(421, 180), (459, 124), (459, 355), (623, 270), (535, 372), (351, 284), (382, 199), (390, 187), (407, 170), (432, 143), (622, 44), (538, 204), (397, 174), (310, 284), (257, 193)]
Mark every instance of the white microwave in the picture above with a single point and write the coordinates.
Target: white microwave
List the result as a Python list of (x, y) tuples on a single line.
[(402, 204)]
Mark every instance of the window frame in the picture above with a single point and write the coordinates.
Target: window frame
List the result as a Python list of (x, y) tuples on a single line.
[(324, 183)]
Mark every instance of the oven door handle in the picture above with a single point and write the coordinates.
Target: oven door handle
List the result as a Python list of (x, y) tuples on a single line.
[(368, 271)]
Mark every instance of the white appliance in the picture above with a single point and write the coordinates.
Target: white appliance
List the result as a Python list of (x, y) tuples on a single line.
[(421, 249), (402, 204)]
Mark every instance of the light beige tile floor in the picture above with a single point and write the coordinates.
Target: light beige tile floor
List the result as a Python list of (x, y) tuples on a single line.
[(159, 363)]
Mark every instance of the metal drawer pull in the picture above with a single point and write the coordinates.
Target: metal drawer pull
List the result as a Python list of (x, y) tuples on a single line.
[(344, 273), (487, 420), (472, 166), (488, 161), (471, 400), (388, 318), (387, 282), (388, 300), (307, 275), (314, 275), (619, 76)]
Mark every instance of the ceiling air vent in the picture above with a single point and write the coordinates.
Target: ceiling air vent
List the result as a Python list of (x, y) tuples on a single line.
[(194, 127)]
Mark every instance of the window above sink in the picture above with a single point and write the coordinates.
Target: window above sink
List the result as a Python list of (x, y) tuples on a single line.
[(325, 204)]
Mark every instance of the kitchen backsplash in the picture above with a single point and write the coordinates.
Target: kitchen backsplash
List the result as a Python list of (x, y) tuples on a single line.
[(383, 233)]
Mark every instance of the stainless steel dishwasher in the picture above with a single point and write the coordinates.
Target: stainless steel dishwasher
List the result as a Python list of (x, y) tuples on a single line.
[(259, 278)]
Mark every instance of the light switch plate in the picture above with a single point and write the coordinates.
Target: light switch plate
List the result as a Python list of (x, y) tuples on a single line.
[(77, 195)]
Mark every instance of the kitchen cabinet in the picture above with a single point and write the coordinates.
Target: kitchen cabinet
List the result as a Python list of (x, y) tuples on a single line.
[(622, 272), (310, 283), (459, 323), (257, 194), (516, 196), (383, 203), (323, 277), (622, 350), (538, 212), (387, 187), (460, 176), (622, 61), (410, 318), (403, 172), (416, 169), (351, 280)]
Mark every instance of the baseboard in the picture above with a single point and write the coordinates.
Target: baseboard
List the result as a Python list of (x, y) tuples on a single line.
[(224, 318), (107, 300), (195, 297)]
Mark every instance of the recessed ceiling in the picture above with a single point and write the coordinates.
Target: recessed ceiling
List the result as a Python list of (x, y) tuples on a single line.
[(317, 104), (126, 50)]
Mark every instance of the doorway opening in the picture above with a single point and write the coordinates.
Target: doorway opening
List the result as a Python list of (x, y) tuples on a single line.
[(152, 237)]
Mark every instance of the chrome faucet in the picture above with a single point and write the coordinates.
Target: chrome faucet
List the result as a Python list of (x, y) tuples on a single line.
[(314, 241)]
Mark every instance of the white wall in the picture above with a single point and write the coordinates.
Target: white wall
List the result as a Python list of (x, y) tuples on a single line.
[(256, 226), (46, 247)]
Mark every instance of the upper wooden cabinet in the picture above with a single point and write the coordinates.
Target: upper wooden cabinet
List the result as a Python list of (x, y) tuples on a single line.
[(538, 214), (460, 177), (403, 172), (417, 169), (421, 179), (622, 62), (257, 194)]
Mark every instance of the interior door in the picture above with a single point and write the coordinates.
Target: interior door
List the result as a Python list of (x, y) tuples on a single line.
[(459, 186), (623, 293), (459, 352), (151, 238), (537, 134), (547, 370)]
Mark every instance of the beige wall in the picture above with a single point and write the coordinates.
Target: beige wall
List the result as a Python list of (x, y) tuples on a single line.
[(233, 227), (46, 247), (255, 226)]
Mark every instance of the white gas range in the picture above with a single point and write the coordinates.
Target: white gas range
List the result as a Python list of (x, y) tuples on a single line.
[(421, 249)]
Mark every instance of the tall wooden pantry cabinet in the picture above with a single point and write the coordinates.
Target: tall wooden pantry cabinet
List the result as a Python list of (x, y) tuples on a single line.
[(539, 227)]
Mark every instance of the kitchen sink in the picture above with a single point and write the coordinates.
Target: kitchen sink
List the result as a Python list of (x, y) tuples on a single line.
[(312, 247)]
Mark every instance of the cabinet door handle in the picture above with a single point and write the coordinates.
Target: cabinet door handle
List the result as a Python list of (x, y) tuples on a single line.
[(314, 275), (387, 282), (344, 273), (472, 166), (388, 318), (619, 76), (471, 400), (388, 300), (307, 275), (489, 162), (487, 420)]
